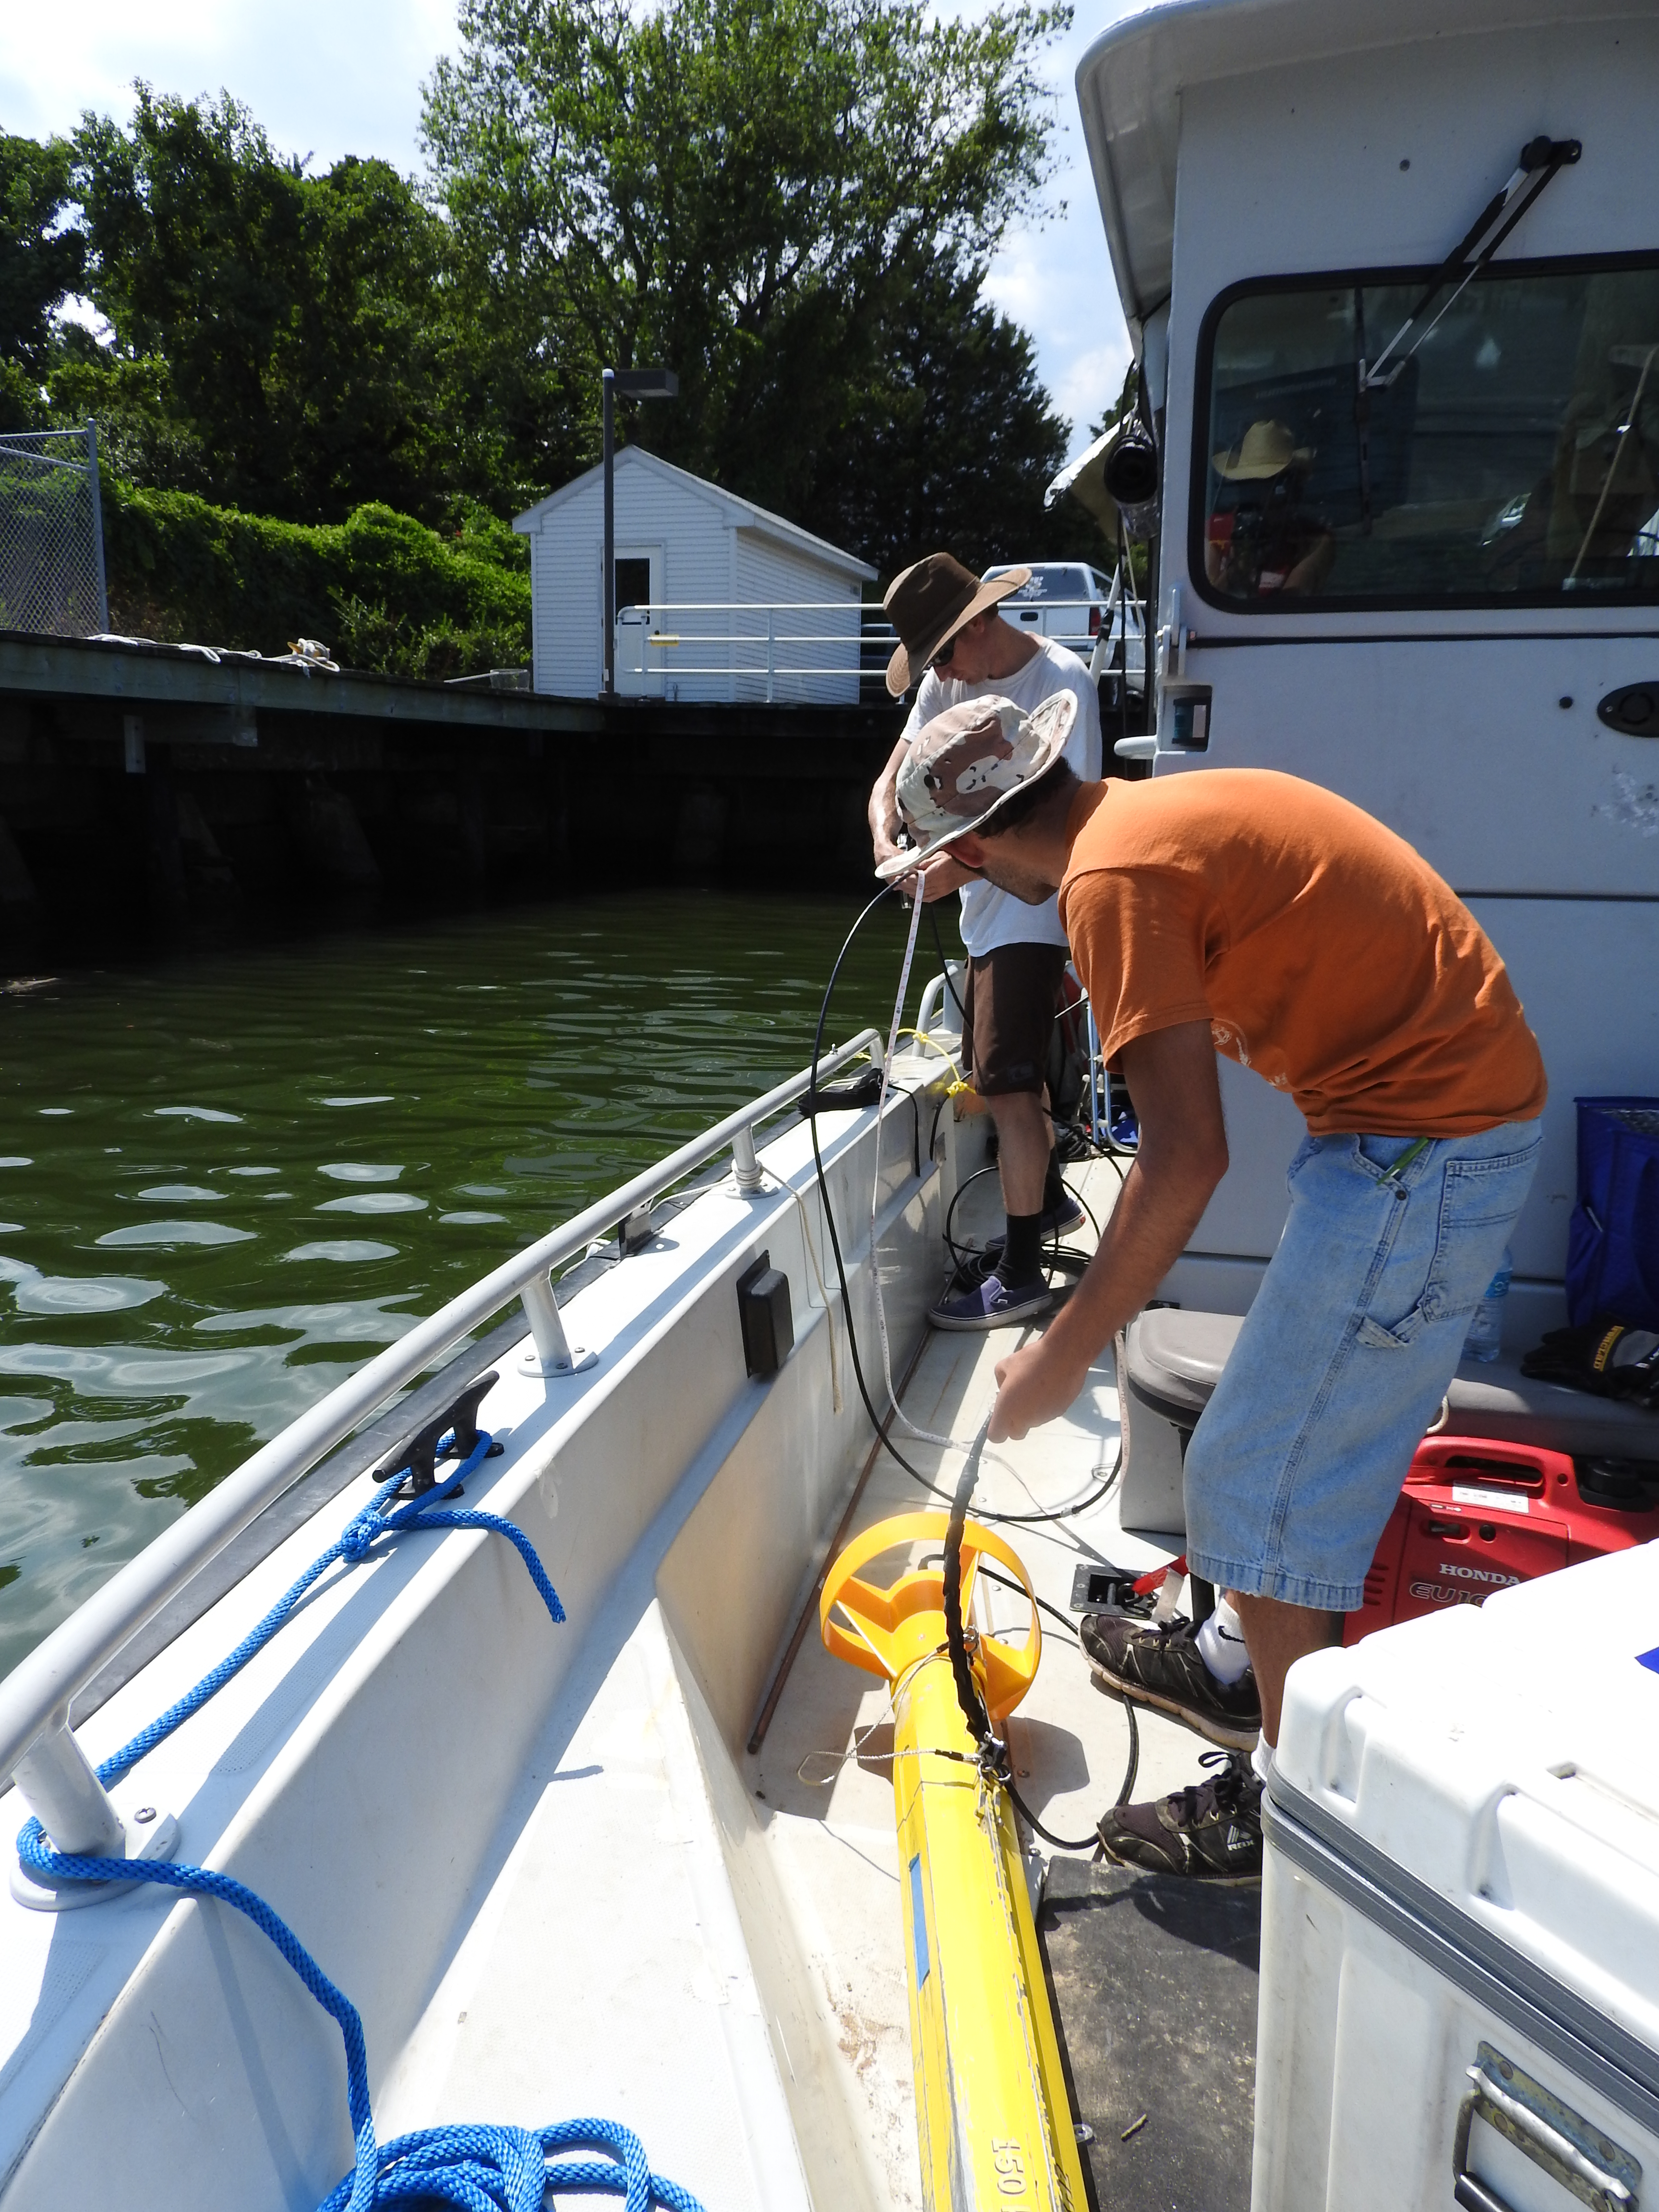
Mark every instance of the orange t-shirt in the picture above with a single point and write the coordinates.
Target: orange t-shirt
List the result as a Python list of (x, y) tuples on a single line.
[(1322, 949)]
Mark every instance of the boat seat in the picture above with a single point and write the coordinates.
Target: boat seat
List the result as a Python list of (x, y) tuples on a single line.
[(1171, 1361)]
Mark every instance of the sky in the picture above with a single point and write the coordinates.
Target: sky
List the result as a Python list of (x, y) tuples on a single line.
[(328, 77)]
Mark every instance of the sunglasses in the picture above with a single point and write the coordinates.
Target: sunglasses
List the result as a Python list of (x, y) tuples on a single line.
[(944, 657)]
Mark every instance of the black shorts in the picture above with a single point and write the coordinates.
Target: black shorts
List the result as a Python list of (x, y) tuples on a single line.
[(1011, 999)]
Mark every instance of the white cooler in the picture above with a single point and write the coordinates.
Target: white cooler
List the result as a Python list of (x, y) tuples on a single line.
[(1460, 1928)]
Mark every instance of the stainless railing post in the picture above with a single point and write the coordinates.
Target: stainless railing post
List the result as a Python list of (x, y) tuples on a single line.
[(553, 1354), (746, 1170), (56, 1781)]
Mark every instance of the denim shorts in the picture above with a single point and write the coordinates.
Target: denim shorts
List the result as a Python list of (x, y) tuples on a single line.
[(1295, 1463)]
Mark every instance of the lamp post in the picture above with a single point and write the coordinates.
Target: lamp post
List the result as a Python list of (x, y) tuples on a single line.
[(632, 383)]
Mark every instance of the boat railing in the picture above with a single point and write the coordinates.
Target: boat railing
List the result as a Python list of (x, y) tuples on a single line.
[(38, 1748)]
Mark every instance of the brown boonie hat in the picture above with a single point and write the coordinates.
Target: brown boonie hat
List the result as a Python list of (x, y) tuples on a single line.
[(967, 761), (930, 603)]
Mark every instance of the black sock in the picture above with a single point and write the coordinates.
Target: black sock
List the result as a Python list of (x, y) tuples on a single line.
[(1021, 1255), (1053, 1184)]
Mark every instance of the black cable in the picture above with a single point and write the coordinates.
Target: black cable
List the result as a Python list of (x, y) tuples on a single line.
[(1060, 1258), (1006, 1582), (962, 1253), (1089, 1842), (1003, 1582), (1064, 1512), (994, 1752), (879, 1423), (1133, 1767), (967, 1696), (876, 1421)]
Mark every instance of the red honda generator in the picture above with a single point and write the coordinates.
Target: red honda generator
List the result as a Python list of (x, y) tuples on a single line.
[(1476, 1516), (1521, 1476)]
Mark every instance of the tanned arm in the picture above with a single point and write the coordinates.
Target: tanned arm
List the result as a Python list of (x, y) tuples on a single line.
[(884, 805), (1182, 1159)]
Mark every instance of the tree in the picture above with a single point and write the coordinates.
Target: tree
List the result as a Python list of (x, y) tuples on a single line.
[(278, 335), (745, 189), (40, 262), (950, 440)]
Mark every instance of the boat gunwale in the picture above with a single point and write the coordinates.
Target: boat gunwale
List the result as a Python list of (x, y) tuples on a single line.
[(35, 1698)]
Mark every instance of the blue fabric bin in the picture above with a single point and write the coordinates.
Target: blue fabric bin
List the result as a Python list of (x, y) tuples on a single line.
[(1613, 1243)]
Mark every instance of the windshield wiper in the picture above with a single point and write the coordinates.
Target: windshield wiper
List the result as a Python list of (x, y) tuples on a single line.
[(1541, 160)]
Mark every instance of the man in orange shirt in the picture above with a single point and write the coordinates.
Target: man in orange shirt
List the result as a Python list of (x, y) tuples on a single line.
[(1244, 912)]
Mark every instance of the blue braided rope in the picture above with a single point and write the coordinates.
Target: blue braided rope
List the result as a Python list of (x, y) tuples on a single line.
[(481, 2169)]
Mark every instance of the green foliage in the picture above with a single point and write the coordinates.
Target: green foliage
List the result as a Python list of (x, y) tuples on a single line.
[(946, 439), (39, 263), (382, 589), (772, 196), (275, 337), (791, 202)]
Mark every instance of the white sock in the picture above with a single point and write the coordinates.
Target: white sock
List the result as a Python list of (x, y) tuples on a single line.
[(1221, 1644), (1261, 1758)]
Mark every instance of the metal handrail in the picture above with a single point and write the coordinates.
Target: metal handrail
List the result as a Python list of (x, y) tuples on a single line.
[(858, 652), (856, 647), (34, 1698)]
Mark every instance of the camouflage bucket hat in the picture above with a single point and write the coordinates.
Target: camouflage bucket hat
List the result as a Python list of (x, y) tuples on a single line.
[(967, 761)]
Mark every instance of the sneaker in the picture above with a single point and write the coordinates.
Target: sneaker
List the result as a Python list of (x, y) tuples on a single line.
[(1061, 1218), (1053, 1221), (991, 1304), (1210, 1830), (1162, 1667)]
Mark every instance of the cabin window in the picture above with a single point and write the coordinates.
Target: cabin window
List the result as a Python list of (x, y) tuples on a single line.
[(1507, 452)]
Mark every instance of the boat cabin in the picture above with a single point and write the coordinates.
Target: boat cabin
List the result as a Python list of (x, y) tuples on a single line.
[(1407, 543)]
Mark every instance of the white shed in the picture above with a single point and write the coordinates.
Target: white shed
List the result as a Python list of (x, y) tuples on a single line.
[(716, 599)]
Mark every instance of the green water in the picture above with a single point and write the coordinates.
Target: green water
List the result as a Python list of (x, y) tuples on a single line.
[(225, 1180)]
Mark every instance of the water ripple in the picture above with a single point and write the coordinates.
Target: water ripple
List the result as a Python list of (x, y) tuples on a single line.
[(514, 1067)]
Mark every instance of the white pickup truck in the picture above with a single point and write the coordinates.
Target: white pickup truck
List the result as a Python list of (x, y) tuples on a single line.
[(1074, 605)]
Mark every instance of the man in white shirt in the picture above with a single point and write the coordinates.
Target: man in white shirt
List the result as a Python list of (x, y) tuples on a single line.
[(954, 646)]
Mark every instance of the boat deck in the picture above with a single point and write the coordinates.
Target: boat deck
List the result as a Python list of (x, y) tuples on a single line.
[(1154, 1978), (542, 1863)]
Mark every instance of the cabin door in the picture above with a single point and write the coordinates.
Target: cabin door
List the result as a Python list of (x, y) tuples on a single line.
[(639, 593)]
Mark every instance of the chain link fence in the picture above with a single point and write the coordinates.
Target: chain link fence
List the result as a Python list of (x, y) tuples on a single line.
[(51, 533)]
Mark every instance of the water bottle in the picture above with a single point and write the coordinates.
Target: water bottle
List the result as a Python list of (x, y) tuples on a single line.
[(1485, 1338)]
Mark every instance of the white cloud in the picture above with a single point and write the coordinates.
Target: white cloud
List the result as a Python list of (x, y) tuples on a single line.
[(1088, 384), (1057, 282), (1055, 277)]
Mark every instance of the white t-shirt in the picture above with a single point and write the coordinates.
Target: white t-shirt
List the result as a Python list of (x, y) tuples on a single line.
[(991, 917)]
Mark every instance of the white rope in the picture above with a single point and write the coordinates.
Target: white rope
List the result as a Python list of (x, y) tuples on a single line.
[(824, 1295)]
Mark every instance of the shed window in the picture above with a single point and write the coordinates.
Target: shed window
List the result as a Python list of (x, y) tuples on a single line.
[(632, 584), (1508, 455)]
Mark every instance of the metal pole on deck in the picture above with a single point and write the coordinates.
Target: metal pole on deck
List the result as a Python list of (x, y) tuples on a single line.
[(632, 383), (609, 384)]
